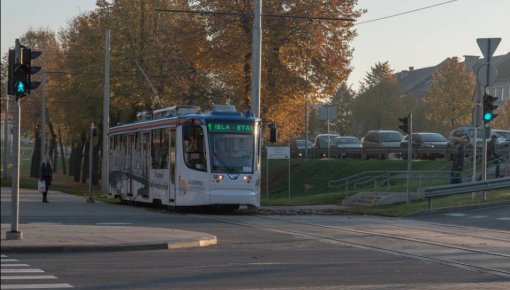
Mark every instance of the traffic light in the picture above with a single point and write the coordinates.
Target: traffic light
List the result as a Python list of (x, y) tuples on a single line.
[(10, 73), (20, 83), (272, 132), (489, 107), (404, 126), (27, 56)]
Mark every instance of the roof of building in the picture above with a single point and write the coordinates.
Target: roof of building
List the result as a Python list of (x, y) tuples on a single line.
[(417, 82)]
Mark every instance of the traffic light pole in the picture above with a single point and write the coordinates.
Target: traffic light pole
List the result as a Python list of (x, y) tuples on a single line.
[(409, 157), (15, 233)]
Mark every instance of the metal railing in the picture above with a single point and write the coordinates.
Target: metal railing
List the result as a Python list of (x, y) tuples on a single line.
[(377, 181), (467, 187)]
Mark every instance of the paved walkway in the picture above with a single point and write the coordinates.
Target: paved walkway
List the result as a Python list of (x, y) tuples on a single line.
[(59, 237)]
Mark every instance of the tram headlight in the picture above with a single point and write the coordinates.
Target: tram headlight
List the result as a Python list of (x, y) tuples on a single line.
[(247, 178), (218, 177)]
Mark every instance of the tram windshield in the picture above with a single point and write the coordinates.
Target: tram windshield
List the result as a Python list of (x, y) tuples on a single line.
[(231, 144), (231, 152)]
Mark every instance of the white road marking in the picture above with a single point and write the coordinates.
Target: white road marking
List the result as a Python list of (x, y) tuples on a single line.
[(32, 277), (21, 271), (3, 256), (478, 217), (45, 223), (113, 223), (37, 286), (15, 265), (504, 219), (9, 260)]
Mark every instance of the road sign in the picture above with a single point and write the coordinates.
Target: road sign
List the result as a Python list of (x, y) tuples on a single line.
[(488, 46), (482, 75), (278, 152), (327, 113)]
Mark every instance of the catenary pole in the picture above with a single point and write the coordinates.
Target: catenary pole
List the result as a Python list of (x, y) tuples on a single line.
[(106, 115), (6, 154), (256, 58), (43, 116)]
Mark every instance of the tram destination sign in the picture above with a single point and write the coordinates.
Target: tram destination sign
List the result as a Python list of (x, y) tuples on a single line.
[(222, 126)]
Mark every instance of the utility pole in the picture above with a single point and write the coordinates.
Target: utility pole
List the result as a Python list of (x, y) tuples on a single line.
[(256, 58), (90, 199), (43, 116), (6, 138), (106, 116)]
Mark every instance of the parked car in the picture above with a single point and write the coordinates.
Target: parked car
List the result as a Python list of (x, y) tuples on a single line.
[(503, 142), (503, 135), (321, 141), (298, 146), (348, 142), (424, 140), (381, 139), (466, 135)]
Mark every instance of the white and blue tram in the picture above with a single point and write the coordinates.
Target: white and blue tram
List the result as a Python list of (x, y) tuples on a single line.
[(189, 159)]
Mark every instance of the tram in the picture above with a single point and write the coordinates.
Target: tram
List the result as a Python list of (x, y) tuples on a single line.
[(182, 157)]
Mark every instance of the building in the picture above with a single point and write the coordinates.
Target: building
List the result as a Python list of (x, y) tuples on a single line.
[(417, 82)]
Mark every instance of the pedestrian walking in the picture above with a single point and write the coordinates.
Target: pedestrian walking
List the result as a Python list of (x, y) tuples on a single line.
[(46, 175), (457, 163)]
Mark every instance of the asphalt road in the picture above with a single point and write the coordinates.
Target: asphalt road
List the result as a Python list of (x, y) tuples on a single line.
[(282, 252), (494, 217)]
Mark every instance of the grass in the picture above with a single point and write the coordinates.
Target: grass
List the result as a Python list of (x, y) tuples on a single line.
[(309, 184)]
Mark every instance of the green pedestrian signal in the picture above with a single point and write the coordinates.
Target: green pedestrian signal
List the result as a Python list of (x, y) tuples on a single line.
[(488, 108)]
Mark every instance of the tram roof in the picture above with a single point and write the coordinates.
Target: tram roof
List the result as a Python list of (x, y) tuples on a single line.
[(170, 120)]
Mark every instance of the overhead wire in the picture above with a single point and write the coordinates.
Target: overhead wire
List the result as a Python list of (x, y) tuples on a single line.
[(406, 12)]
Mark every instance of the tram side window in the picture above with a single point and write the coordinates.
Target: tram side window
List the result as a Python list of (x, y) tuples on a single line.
[(159, 149), (194, 147)]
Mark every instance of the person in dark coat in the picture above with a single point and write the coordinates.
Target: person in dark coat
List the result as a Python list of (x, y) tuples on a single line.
[(46, 175), (458, 163), (492, 156)]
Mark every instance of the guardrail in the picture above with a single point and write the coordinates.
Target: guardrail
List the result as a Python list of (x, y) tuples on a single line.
[(449, 189), (375, 152), (384, 180)]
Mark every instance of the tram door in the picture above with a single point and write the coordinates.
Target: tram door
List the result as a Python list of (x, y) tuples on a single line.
[(172, 151), (146, 160), (130, 162)]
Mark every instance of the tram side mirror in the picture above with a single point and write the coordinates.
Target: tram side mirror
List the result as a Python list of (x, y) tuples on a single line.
[(273, 132)]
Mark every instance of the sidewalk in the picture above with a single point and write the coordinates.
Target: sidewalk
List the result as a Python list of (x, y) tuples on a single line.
[(61, 237)]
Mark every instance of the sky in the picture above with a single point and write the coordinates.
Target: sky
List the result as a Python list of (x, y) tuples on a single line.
[(420, 39)]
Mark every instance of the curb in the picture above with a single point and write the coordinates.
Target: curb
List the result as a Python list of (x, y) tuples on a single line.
[(459, 208), (112, 248)]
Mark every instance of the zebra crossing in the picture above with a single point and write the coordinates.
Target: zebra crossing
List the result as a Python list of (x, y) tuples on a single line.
[(16, 275)]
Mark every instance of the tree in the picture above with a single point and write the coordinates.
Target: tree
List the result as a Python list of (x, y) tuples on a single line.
[(503, 119), (449, 100), (342, 101), (379, 101)]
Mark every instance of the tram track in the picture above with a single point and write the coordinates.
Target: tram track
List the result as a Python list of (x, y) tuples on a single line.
[(482, 260)]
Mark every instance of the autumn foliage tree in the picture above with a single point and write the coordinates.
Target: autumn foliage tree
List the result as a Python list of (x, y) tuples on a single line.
[(449, 102), (379, 102)]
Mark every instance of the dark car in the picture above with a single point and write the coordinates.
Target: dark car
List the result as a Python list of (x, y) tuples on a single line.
[(298, 147), (381, 139), (432, 145), (348, 142)]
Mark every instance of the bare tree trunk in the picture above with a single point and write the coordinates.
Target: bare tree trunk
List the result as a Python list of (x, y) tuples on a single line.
[(64, 170), (53, 148)]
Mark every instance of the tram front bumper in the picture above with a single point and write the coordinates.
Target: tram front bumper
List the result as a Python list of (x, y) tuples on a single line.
[(234, 196)]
